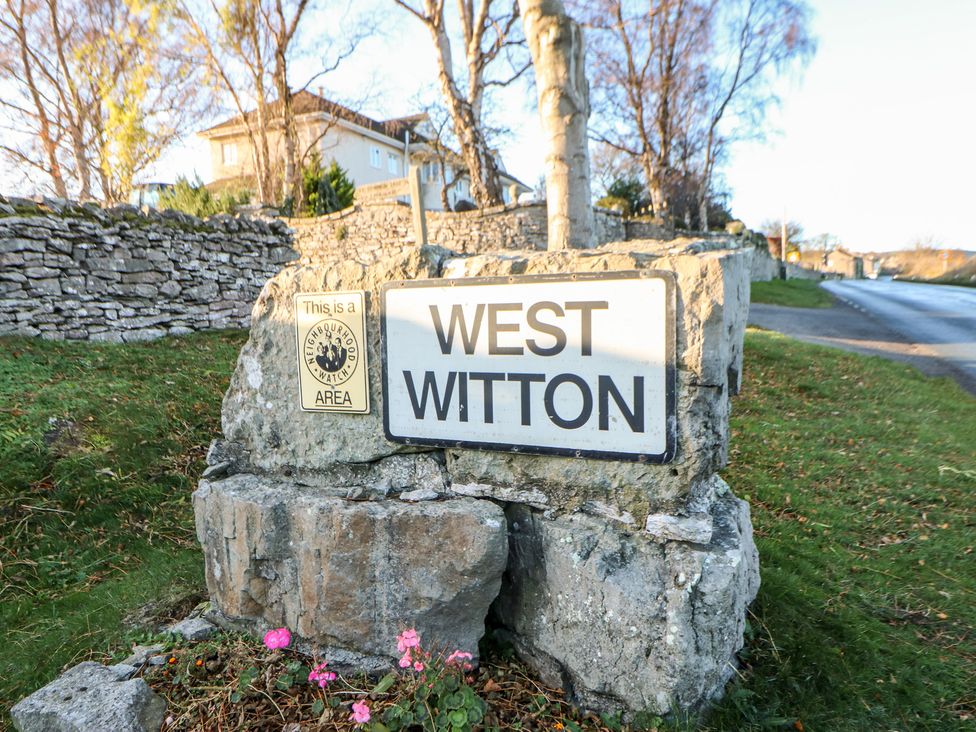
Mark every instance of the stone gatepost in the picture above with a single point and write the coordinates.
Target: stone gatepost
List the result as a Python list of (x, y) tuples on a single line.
[(623, 577)]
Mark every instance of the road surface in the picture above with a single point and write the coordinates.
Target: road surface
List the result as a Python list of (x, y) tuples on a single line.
[(933, 327)]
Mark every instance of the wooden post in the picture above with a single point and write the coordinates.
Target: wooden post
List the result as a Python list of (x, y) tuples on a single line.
[(417, 206)]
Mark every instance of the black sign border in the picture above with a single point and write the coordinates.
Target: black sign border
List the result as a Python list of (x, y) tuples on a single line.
[(671, 437)]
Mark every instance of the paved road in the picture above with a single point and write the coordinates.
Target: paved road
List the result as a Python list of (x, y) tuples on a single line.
[(933, 327), (940, 318)]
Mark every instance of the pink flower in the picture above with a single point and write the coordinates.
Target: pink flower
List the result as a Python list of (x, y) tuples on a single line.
[(360, 712), (321, 676), (277, 638), (418, 666), (406, 661), (407, 639), (459, 657)]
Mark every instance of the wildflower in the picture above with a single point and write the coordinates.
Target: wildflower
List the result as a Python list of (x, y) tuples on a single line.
[(277, 638), (459, 657), (407, 639), (557, 726), (418, 666), (199, 662), (360, 712), (406, 661), (172, 660), (319, 675)]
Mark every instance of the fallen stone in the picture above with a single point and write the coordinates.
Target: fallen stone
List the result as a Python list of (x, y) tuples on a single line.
[(141, 654), (194, 629), (90, 697), (624, 623), (345, 576)]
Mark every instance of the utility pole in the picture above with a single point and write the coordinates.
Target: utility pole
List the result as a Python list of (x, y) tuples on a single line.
[(782, 243)]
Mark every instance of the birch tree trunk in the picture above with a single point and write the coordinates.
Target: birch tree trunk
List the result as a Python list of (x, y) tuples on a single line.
[(556, 44)]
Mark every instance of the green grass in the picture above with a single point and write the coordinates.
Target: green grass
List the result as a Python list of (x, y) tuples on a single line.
[(95, 515), (862, 478), (792, 293), (861, 475)]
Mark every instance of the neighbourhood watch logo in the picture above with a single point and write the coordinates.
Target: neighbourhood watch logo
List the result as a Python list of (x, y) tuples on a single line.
[(331, 352)]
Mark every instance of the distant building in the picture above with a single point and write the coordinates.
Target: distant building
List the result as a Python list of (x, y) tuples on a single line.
[(371, 151), (842, 262)]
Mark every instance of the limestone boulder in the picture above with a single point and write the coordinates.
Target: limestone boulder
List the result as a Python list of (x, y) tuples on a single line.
[(712, 308), (89, 697), (347, 575), (261, 410), (624, 622)]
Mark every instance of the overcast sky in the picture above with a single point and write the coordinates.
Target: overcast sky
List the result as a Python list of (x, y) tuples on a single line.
[(872, 144)]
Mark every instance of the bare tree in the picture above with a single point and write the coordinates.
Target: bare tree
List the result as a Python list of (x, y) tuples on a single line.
[(668, 74), (756, 39), (556, 43), (98, 88), (647, 66), (489, 32)]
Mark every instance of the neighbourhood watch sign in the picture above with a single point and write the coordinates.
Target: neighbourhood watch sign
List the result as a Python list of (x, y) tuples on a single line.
[(577, 365), (331, 332)]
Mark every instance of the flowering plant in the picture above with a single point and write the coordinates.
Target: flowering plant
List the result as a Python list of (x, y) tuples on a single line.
[(440, 697)]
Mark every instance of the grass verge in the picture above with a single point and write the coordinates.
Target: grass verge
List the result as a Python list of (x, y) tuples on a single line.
[(101, 446), (860, 473), (791, 293)]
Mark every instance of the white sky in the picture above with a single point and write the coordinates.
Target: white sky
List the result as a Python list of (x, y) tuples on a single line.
[(873, 143)]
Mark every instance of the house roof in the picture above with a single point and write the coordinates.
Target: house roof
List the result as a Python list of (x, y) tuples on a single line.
[(305, 102)]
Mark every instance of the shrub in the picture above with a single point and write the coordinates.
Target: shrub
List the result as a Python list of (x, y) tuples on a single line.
[(325, 189), (632, 191), (615, 203), (195, 199)]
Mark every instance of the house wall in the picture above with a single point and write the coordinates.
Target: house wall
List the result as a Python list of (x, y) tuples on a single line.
[(82, 272), (348, 144)]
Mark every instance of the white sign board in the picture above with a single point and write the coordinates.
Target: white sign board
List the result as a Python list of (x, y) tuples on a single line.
[(578, 365)]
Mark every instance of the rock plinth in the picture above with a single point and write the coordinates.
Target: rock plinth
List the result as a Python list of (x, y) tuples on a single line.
[(627, 582), (347, 576), (626, 623), (89, 697)]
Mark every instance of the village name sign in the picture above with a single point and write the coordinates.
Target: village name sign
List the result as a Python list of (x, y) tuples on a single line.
[(579, 365)]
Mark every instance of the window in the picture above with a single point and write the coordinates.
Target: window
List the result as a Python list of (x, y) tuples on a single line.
[(374, 157), (430, 172), (228, 153), (393, 163)]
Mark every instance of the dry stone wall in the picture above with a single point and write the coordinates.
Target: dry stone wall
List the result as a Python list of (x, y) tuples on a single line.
[(83, 272), (364, 232)]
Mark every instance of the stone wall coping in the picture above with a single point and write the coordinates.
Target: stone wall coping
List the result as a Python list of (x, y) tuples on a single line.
[(124, 213)]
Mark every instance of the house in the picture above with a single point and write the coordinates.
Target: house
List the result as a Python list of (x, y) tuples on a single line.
[(372, 151), (842, 262)]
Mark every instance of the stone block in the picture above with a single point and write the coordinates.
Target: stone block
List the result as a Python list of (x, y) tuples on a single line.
[(624, 623), (90, 696), (347, 576), (261, 409)]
